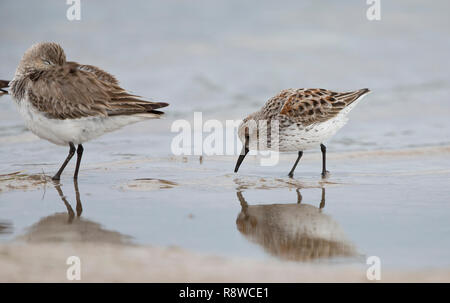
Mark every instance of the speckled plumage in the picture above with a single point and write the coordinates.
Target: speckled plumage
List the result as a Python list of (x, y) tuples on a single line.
[(63, 101), (67, 90), (68, 103), (306, 117), (297, 120), (295, 232)]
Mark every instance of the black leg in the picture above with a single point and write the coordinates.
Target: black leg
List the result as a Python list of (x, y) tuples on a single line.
[(291, 173), (79, 207), (324, 161), (244, 205), (79, 155), (322, 201), (63, 198), (299, 196), (241, 198), (71, 153)]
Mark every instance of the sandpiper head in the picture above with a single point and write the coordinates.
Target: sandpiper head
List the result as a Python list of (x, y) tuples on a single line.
[(41, 56), (247, 127)]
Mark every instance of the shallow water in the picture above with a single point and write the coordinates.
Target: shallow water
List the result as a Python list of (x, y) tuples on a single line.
[(394, 207), (226, 59)]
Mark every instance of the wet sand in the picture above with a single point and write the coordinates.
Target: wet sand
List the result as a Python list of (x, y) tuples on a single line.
[(299, 236), (117, 263)]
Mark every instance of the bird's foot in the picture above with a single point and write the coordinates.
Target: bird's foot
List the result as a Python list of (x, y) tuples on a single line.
[(325, 174), (291, 175)]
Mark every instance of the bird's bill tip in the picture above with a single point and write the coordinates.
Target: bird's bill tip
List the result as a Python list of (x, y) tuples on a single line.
[(238, 163), (240, 159)]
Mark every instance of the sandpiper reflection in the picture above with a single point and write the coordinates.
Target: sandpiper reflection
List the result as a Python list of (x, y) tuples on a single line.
[(79, 207), (70, 226), (295, 232)]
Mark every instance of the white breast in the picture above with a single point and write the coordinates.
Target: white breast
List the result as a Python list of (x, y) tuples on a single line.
[(295, 138), (77, 131)]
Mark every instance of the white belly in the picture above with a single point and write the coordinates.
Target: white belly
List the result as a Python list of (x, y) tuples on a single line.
[(77, 131), (294, 138)]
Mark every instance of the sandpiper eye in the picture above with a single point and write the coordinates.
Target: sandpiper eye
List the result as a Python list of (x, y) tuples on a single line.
[(46, 62)]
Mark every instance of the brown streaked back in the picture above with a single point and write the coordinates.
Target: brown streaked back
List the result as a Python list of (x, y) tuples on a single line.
[(99, 73), (315, 105), (72, 91)]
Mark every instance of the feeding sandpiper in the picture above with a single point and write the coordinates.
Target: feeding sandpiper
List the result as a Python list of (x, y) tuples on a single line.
[(68, 103), (305, 117)]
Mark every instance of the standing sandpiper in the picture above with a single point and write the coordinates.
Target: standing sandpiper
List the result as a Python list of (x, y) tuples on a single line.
[(68, 103), (306, 118)]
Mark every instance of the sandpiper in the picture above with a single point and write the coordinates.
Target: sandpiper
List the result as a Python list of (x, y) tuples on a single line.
[(68, 103), (306, 118)]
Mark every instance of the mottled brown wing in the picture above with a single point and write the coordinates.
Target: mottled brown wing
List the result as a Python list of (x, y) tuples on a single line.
[(74, 91), (99, 73), (309, 106)]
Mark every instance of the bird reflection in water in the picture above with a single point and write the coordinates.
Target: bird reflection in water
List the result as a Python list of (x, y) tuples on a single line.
[(295, 232), (70, 226), (79, 207)]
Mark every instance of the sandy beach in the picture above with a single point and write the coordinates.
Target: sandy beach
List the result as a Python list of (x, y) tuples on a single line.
[(113, 263)]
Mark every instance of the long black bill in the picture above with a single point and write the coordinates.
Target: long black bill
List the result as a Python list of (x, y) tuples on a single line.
[(244, 153)]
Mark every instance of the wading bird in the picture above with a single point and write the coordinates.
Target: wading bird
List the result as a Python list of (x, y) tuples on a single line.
[(68, 103), (305, 117)]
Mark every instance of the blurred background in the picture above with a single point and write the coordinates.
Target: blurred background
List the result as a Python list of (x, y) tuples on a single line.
[(226, 58)]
